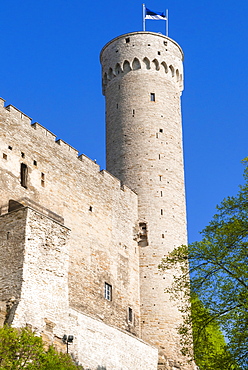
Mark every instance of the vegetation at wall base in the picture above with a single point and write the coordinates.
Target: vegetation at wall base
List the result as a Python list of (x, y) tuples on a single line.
[(22, 349), (218, 267)]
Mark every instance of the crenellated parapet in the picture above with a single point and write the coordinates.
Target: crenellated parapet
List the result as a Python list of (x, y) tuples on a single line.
[(36, 148), (128, 54)]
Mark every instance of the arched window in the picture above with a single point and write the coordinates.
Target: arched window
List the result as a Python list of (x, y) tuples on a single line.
[(165, 67), (172, 70), (126, 66), (110, 74), (118, 69), (156, 64), (177, 75), (147, 63), (136, 64)]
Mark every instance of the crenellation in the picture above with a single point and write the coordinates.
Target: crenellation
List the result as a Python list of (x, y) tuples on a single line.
[(2, 102), (41, 129), (67, 147), (18, 113), (88, 162)]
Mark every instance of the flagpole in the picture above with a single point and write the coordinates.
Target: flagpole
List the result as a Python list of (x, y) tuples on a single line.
[(167, 22), (144, 14)]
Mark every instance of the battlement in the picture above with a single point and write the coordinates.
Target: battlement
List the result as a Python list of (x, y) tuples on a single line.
[(136, 51), (14, 118), (127, 66)]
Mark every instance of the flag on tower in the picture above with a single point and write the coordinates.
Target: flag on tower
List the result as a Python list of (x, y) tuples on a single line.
[(149, 14)]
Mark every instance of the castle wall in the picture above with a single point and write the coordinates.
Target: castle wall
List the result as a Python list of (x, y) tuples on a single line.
[(39, 282), (101, 214), (44, 284), (12, 244), (103, 347)]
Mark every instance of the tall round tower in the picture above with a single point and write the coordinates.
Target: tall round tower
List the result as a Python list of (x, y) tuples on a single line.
[(142, 83)]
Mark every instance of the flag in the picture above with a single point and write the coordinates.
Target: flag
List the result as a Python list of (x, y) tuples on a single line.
[(149, 14)]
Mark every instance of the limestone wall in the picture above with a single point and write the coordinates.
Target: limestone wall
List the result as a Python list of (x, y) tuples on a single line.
[(41, 296), (98, 346), (142, 83), (44, 284), (101, 214)]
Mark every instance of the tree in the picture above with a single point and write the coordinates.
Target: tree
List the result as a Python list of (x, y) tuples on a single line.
[(218, 267), (210, 349), (22, 349)]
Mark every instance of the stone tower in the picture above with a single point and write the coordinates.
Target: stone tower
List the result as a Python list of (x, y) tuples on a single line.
[(142, 83)]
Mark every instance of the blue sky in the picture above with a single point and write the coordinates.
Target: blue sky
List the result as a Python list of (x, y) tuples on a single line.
[(50, 70)]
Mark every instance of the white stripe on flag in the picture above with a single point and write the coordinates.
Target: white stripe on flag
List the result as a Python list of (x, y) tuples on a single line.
[(156, 17)]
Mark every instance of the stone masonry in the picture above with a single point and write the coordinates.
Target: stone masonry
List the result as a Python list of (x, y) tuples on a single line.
[(79, 247)]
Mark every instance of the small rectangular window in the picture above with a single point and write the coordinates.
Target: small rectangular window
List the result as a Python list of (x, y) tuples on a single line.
[(35, 163), (42, 181), (152, 96), (10, 147), (130, 314), (127, 40), (108, 292), (161, 130), (5, 156), (23, 155), (162, 212)]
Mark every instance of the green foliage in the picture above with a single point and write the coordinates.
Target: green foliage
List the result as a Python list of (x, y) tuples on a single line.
[(21, 349), (210, 349), (218, 266)]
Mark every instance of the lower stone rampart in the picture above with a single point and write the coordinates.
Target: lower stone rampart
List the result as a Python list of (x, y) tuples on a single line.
[(98, 346)]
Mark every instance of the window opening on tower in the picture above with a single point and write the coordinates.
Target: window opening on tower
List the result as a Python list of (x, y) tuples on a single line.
[(142, 236), (108, 292), (24, 175), (130, 314), (127, 40), (152, 96)]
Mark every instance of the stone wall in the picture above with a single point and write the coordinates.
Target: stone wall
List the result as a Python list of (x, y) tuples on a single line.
[(12, 246), (142, 84), (100, 213), (38, 249), (98, 346)]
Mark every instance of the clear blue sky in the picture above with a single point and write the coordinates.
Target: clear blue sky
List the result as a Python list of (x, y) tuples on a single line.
[(50, 70)]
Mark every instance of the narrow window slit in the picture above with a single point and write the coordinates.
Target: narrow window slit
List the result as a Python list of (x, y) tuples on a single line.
[(130, 314), (24, 175), (108, 292)]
